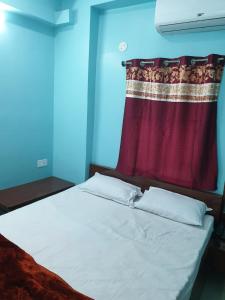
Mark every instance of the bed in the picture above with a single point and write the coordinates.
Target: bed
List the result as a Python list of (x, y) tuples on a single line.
[(110, 251)]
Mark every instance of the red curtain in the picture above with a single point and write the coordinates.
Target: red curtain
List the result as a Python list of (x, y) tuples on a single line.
[(169, 128)]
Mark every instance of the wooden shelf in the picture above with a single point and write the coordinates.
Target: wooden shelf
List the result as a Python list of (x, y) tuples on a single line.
[(22, 195)]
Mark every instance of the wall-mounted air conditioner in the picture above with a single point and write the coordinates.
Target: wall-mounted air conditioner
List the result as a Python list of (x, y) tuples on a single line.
[(189, 15)]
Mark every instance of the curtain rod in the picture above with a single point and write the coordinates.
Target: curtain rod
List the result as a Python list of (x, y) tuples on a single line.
[(167, 62)]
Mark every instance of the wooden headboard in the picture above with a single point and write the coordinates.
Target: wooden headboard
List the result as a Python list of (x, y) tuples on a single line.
[(212, 200)]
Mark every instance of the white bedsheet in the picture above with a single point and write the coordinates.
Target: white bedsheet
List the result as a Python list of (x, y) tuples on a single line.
[(109, 251)]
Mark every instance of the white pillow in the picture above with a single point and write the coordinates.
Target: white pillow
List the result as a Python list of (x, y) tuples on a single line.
[(173, 206), (111, 188)]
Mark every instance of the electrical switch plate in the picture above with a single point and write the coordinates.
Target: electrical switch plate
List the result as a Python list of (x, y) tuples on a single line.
[(42, 163)]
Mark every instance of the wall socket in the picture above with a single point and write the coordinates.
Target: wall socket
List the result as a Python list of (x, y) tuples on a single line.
[(42, 163)]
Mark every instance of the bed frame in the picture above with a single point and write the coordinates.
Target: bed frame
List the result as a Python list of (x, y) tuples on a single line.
[(212, 200)]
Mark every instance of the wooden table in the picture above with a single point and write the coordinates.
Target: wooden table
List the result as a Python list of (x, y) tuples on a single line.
[(22, 195)]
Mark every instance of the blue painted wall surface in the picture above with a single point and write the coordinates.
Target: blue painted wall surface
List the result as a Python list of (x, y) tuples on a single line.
[(74, 48), (26, 101), (135, 25), (71, 96), (40, 8)]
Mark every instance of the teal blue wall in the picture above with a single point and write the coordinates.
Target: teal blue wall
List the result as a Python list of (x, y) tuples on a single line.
[(74, 101), (26, 101), (71, 96), (40, 8), (89, 78), (80, 68)]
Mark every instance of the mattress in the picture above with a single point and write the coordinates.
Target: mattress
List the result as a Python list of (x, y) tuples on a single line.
[(107, 250)]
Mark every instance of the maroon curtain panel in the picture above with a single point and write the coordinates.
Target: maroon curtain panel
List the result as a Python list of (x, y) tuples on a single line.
[(169, 127)]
